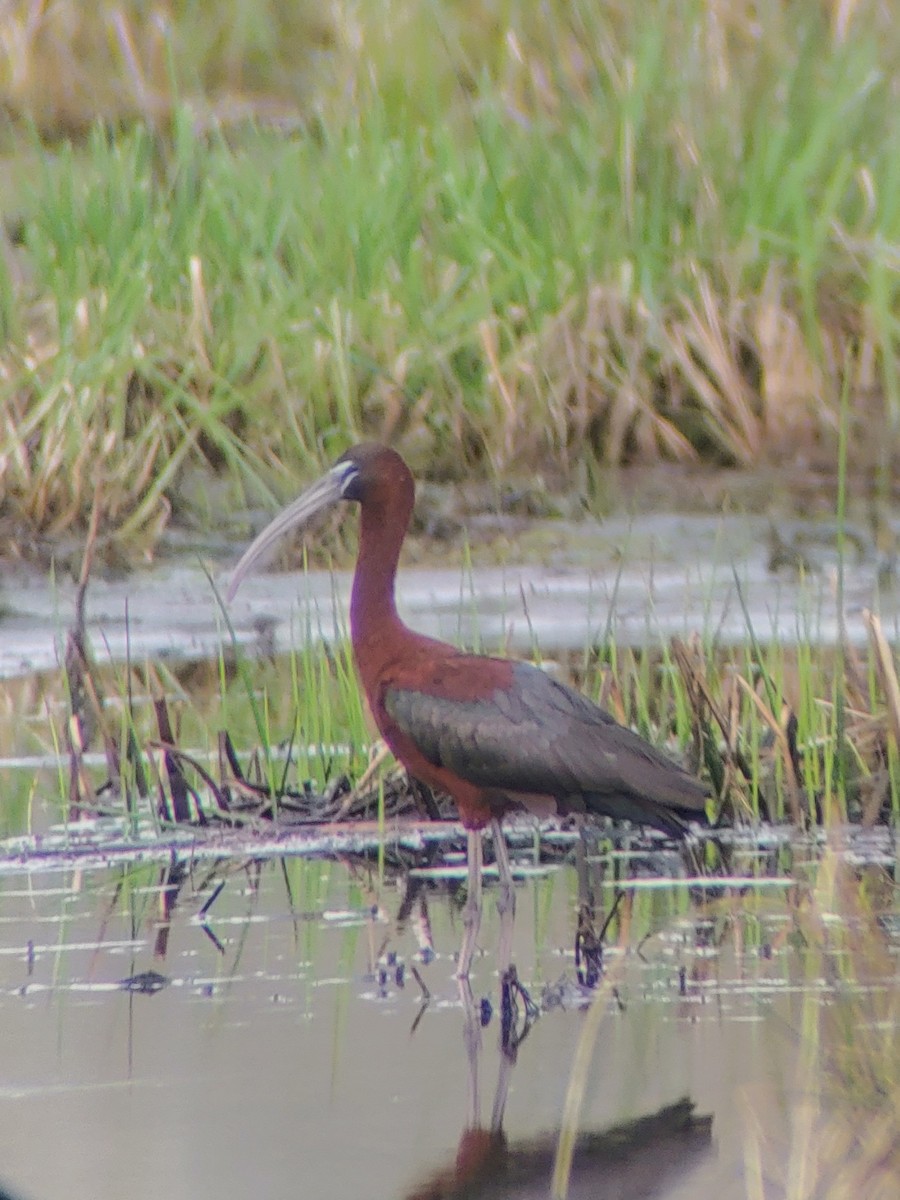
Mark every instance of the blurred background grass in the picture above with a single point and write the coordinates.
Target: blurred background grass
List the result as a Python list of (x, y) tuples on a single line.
[(511, 237)]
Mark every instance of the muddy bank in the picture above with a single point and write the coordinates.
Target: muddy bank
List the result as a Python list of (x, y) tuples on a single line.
[(556, 585)]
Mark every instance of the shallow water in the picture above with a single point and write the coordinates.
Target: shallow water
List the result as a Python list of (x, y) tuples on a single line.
[(293, 1041), (641, 580), (283, 1046)]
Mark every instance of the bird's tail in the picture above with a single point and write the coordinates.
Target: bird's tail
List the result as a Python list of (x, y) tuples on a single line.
[(641, 811)]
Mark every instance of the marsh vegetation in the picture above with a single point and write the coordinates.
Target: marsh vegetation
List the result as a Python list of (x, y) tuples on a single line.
[(564, 257), (510, 238)]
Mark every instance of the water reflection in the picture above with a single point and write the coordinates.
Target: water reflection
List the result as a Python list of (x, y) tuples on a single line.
[(234, 1027), (639, 1158), (632, 1161)]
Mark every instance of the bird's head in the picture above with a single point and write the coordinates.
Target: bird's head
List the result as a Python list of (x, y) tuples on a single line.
[(370, 474)]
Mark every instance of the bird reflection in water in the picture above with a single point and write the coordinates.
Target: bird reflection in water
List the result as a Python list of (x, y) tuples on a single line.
[(640, 1158)]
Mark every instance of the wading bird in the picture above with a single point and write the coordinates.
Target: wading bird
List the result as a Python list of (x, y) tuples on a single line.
[(495, 734)]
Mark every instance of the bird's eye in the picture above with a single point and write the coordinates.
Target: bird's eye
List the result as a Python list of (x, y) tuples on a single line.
[(347, 475)]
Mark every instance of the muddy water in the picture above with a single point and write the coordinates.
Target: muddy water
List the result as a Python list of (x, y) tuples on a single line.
[(639, 580), (292, 1041), (283, 1044)]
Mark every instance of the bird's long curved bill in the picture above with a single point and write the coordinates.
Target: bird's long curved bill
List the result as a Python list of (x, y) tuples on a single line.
[(323, 494)]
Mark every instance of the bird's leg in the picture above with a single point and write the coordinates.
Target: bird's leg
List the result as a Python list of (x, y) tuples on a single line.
[(472, 1040), (506, 900), (510, 985), (472, 912), (511, 991), (504, 1076)]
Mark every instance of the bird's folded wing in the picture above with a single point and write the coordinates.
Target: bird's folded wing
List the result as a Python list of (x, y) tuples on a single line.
[(537, 735)]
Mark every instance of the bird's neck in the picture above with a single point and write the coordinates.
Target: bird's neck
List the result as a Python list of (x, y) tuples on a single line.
[(373, 610)]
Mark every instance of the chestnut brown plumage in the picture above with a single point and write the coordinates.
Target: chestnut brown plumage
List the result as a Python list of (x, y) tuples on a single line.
[(496, 734)]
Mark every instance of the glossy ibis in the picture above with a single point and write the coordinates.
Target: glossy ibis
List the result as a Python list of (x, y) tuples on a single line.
[(495, 734)]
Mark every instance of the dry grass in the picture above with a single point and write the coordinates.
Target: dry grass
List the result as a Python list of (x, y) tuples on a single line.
[(63, 66), (503, 236), (789, 736)]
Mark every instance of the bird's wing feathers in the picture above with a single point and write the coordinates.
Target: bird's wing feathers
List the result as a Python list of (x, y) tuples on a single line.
[(536, 735)]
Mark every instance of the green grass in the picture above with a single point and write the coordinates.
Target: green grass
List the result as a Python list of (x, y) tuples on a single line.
[(504, 237), (759, 721), (508, 238)]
